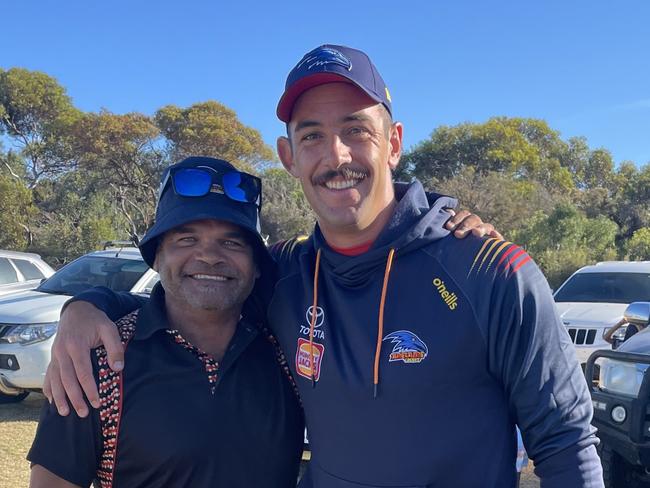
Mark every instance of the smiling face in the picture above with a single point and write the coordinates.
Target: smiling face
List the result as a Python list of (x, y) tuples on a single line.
[(342, 147), (206, 265)]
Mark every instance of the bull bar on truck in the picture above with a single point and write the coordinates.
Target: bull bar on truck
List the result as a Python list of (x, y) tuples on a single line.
[(631, 437)]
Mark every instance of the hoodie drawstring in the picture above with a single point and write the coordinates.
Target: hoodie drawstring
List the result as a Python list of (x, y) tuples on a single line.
[(380, 326), (312, 323)]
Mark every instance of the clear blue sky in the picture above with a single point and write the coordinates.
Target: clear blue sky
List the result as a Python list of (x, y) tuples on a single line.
[(584, 66)]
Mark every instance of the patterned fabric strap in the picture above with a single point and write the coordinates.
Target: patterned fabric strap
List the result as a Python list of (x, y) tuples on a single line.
[(282, 360), (110, 397)]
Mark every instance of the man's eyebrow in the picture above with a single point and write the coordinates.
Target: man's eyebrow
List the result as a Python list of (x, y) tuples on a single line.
[(182, 229), (357, 118), (306, 123), (235, 234)]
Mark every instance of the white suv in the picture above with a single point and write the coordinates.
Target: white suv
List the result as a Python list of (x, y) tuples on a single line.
[(21, 271), (28, 320), (594, 298)]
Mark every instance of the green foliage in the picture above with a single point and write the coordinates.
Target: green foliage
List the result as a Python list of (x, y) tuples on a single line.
[(638, 247), (514, 147), (16, 212), (123, 152), (36, 112), (497, 198), (567, 239), (285, 211), (212, 129), (77, 216), (631, 199)]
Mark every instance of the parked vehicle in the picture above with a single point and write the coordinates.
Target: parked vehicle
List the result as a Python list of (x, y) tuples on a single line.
[(621, 399), (592, 301), (29, 319), (21, 271)]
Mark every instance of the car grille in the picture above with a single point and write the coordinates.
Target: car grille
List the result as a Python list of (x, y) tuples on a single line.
[(581, 337)]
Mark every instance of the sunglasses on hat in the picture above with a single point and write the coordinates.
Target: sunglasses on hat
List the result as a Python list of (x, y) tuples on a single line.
[(202, 180)]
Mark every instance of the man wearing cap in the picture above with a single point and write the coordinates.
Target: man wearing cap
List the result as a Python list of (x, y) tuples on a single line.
[(203, 400), (408, 347)]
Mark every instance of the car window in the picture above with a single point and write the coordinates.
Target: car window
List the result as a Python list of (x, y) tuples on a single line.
[(115, 273), (7, 272), (29, 270), (605, 287), (150, 284)]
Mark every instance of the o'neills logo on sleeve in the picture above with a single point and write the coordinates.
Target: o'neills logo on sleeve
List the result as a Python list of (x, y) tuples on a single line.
[(448, 297), (303, 358)]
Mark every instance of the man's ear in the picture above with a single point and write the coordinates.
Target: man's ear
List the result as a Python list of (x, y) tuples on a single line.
[(286, 155), (395, 140), (157, 255)]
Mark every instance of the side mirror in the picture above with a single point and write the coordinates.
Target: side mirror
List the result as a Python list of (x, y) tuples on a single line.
[(637, 313)]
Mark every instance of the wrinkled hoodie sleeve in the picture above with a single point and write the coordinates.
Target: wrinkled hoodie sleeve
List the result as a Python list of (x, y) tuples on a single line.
[(114, 304), (531, 354)]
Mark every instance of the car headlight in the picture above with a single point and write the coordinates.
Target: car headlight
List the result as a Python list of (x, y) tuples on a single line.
[(619, 335), (29, 333), (621, 377)]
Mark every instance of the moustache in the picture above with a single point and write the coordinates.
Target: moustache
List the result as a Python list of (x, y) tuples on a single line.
[(345, 173)]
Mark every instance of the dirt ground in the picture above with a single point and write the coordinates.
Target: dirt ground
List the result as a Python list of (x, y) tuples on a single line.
[(17, 427)]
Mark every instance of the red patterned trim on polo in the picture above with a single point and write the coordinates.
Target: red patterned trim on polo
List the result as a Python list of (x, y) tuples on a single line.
[(110, 396), (210, 365)]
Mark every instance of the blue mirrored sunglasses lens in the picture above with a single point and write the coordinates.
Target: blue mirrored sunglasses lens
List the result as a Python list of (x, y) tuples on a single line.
[(192, 182), (240, 187)]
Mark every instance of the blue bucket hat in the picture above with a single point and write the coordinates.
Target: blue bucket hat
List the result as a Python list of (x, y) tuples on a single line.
[(174, 210), (330, 63)]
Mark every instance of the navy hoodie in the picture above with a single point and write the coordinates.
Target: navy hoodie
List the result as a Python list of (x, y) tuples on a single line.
[(470, 345)]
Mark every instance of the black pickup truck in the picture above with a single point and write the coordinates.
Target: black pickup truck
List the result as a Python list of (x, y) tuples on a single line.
[(620, 392)]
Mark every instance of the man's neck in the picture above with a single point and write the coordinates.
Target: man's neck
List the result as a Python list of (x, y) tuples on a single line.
[(354, 236), (209, 330)]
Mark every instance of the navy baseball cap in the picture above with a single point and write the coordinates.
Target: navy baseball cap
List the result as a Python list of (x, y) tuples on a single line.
[(174, 210), (329, 64)]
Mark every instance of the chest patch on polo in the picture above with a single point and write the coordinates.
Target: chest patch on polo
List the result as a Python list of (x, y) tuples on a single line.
[(304, 358), (408, 347)]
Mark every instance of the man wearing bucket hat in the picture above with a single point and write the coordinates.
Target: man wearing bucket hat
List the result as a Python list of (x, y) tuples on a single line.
[(204, 400)]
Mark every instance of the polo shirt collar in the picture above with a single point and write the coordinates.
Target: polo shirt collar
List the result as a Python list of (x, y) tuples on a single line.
[(153, 315)]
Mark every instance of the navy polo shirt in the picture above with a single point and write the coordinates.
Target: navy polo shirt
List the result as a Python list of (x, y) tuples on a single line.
[(185, 420)]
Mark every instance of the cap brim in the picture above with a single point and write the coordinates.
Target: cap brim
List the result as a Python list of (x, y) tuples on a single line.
[(289, 97)]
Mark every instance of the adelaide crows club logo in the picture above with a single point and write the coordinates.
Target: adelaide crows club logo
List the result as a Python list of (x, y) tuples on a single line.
[(408, 347), (322, 56)]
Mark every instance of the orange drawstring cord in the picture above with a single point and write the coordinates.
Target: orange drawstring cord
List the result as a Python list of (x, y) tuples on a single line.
[(312, 323), (380, 332)]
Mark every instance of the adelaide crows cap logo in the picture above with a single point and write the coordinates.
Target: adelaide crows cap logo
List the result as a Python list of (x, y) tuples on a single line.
[(323, 56), (408, 347)]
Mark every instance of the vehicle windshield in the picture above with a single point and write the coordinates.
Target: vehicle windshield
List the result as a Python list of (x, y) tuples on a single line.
[(605, 287), (88, 271)]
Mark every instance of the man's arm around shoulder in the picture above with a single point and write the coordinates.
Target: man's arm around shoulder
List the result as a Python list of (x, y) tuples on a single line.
[(86, 323)]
